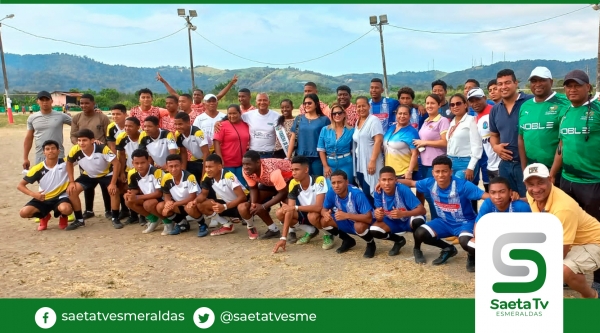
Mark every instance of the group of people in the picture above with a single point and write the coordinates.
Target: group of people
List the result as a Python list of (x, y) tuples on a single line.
[(340, 170)]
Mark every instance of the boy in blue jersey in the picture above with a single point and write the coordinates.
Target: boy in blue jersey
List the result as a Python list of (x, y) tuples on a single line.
[(383, 108), (346, 210), (456, 217), (501, 200), (397, 210)]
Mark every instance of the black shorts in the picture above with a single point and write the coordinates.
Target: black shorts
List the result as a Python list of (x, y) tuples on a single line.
[(47, 206), (89, 182), (586, 195), (196, 168), (231, 212), (303, 218)]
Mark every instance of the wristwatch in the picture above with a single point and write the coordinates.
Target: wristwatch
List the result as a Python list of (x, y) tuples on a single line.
[(296, 207), (283, 238)]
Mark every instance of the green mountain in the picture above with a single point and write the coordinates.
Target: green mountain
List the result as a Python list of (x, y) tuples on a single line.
[(62, 72)]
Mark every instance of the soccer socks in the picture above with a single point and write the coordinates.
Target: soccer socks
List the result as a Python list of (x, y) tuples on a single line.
[(465, 242), (115, 214), (88, 196), (78, 215), (422, 235), (379, 233), (306, 228), (273, 227)]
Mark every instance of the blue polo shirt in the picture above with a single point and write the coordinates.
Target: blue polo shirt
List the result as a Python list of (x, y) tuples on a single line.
[(507, 125)]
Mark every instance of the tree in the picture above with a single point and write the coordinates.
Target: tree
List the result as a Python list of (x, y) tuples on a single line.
[(324, 90), (231, 94), (74, 90), (112, 95)]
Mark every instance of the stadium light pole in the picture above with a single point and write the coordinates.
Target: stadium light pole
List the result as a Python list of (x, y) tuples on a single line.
[(7, 100), (597, 7), (191, 27), (383, 20)]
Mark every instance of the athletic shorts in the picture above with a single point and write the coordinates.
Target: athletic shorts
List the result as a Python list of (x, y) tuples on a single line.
[(346, 226), (303, 218), (196, 168), (47, 206), (398, 226), (231, 212), (87, 182), (444, 229)]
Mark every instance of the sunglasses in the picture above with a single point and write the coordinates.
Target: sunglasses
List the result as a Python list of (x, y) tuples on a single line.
[(308, 103), (456, 104), (337, 113)]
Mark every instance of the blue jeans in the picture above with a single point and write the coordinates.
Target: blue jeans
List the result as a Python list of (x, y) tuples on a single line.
[(315, 167), (482, 165), (266, 154), (511, 170), (344, 164), (360, 178), (237, 171)]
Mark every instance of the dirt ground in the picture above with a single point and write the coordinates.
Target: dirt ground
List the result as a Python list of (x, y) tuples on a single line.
[(101, 262)]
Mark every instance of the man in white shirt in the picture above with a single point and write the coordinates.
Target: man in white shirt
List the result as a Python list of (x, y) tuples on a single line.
[(206, 121), (262, 124), (479, 104)]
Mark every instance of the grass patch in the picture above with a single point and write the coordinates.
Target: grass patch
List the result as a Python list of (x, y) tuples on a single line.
[(20, 120)]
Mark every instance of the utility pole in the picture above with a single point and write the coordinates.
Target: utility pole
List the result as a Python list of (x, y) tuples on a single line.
[(7, 99), (383, 20), (190, 26), (597, 7)]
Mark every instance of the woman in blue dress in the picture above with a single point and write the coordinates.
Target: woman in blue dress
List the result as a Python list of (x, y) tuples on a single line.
[(335, 144)]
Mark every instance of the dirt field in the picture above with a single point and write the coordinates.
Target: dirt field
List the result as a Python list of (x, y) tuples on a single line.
[(99, 261)]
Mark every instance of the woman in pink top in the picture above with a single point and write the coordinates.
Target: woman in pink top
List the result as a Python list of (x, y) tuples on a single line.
[(231, 142)]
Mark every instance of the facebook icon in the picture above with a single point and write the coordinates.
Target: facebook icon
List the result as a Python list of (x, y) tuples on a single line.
[(45, 317)]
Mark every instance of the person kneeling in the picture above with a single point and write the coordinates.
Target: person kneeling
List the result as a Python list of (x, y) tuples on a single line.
[(220, 197), (347, 211), (51, 175), (144, 190), (397, 210)]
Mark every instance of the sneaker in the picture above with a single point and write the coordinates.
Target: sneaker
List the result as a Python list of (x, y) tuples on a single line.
[(327, 242), (470, 263), (75, 224), (397, 246), (252, 233), (370, 251), (445, 254), (347, 244), (123, 214), (168, 227), (108, 215), (176, 230), (117, 224), (419, 257), (150, 228), (184, 226), (292, 238), (307, 237), (88, 215), (63, 221), (270, 234), (202, 230), (44, 223), (142, 220), (71, 217), (222, 231), (131, 220)]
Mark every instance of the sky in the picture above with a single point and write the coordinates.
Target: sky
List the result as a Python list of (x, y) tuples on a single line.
[(285, 34)]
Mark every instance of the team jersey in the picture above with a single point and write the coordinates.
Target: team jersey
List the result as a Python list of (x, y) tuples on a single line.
[(193, 142), (306, 197), (354, 203), (96, 165), (483, 126), (147, 184), (53, 182), (398, 148), (187, 185), (539, 127), (224, 188), (112, 132), (580, 135), (385, 111), (403, 199), (158, 148), (452, 204), (126, 144), (488, 206)]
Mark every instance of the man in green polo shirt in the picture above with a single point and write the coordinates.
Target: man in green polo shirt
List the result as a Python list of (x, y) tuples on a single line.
[(577, 151), (539, 119)]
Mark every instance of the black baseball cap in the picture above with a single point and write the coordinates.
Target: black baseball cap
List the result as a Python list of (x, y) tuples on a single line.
[(578, 76), (44, 93)]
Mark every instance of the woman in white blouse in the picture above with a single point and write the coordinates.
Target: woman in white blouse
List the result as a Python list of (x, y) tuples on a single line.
[(464, 142)]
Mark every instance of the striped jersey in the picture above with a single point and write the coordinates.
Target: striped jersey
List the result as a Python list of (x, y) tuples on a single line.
[(126, 144), (308, 196), (158, 148), (147, 184), (113, 131), (97, 164), (193, 142), (187, 185), (53, 182)]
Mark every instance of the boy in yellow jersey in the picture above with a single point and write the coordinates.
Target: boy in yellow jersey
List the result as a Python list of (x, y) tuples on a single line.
[(158, 142), (126, 144), (98, 166), (190, 138), (113, 130), (179, 188), (144, 191), (221, 194), (53, 181)]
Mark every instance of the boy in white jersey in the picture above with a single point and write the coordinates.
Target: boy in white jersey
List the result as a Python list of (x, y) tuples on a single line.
[(53, 181), (478, 102), (221, 194), (179, 188), (303, 209), (113, 130), (192, 139), (145, 190), (98, 165), (158, 142), (126, 144)]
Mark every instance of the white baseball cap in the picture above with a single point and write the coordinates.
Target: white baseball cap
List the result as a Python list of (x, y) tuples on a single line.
[(209, 96), (536, 170), (541, 72), (475, 92)]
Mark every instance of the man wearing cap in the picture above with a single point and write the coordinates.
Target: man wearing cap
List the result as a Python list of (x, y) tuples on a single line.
[(539, 120), (43, 126), (479, 103), (581, 231), (206, 121)]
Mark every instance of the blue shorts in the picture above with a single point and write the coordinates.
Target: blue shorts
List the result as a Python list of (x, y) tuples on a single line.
[(444, 229), (346, 226), (398, 226)]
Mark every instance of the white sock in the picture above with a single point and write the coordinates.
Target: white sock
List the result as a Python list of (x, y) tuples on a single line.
[(273, 227), (220, 219), (249, 223), (326, 232), (292, 230), (307, 228)]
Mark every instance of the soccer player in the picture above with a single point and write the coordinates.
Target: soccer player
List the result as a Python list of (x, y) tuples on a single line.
[(179, 188), (346, 211), (158, 142), (306, 195), (221, 194), (382, 107), (114, 129), (581, 231), (267, 180), (397, 211), (452, 201), (145, 191), (190, 138), (99, 166), (53, 180), (126, 143)]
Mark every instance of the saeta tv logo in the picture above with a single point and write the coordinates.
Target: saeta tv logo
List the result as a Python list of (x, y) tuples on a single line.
[(519, 254)]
